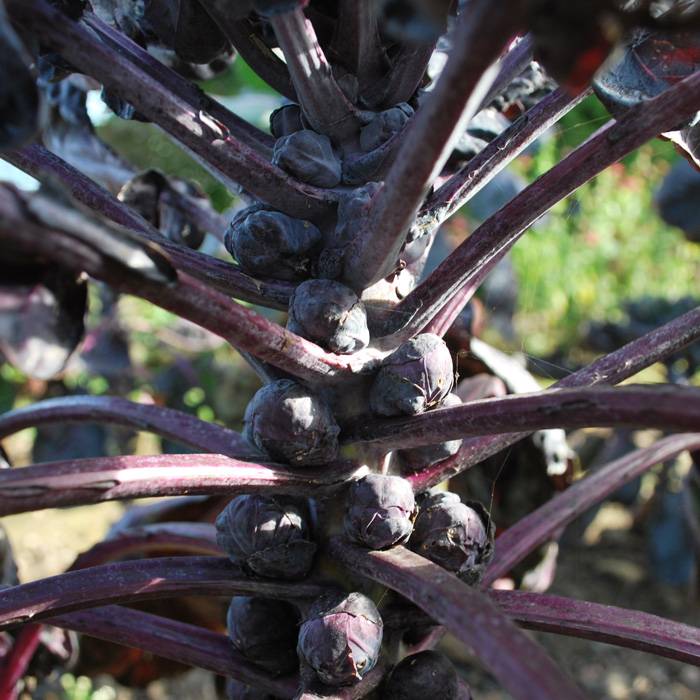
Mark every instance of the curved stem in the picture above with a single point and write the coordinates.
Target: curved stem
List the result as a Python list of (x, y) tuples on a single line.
[(145, 579), (663, 407), (94, 480), (607, 370), (547, 521), (512, 657), (167, 422), (15, 665), (601, 623), (483, 31), (179, 641), (196, 539)]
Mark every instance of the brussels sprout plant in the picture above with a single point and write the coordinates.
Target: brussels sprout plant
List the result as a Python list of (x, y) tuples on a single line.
[(336, 542)]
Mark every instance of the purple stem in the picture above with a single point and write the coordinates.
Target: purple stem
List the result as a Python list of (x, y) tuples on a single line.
[(98, 479), (322, 101), (509, 654), (167, 422), (194, 539), (607, 370), (483, 32), (192, 125), (472, 260), (408, 65), (226, 277), (547, 521), (253, 49), (188, 298), (601, 623), (509, 68), (136, 581), (659, 406), (484, 166), (356, 44), (175, 83), (179, 641)]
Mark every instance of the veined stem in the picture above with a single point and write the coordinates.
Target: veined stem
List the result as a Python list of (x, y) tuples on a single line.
[(482, 33), (513, 658), (167, 422), (144, 579), (321, 100), (191, 124), (547, 521), (607, 370), (179, 641), (472, 260), (663, 407), (98, 479)]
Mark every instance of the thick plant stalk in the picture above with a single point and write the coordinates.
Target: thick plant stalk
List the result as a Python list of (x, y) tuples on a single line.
[(188, 298), (179, 641), (514, 659), (226, 277), (607, 370), (145, 579), (232, 159), (357, 46), (94, 480), (663, 407), (166, 422), (601, 623), (473, 259), (547, 521), (483, 32), (322, 101)]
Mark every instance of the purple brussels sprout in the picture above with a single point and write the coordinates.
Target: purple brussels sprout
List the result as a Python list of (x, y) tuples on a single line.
[(417, 458), (435, 496), (330, 314), (384, 126), (415, 377), (291, 424), (268, 535), (380, 511), (286, 120), (341, 637), (426, 674), (265, 631), (457, 536), (309, 157), (352, 210), (269, 243)]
